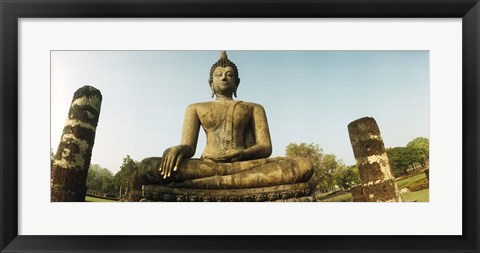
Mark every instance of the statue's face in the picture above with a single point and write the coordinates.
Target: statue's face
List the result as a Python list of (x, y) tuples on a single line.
[(224, 81)]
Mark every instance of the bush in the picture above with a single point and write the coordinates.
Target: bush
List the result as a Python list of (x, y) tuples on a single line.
[(418, 186)]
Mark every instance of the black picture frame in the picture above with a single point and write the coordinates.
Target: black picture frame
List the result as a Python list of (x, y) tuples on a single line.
[(11, 11)]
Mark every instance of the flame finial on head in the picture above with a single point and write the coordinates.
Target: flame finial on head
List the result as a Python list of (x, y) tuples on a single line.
[(223, 55)]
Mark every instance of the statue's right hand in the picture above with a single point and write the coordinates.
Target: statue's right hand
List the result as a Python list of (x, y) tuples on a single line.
[(170, 161)]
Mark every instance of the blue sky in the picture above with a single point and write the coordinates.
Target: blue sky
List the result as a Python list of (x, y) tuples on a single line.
[(309, 96)]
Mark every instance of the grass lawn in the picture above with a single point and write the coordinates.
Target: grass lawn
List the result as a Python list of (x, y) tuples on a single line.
[(419, 196), (93, 199), (402, 183)]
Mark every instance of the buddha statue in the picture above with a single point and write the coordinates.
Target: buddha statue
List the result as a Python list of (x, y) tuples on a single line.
[(235, 160)]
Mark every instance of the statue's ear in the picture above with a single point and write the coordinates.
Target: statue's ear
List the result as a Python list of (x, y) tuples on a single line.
[(211, 87), (236, 87)]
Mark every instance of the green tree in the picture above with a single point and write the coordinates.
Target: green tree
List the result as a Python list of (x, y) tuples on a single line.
[(125, 179), (347, 177), (310, 151), (420, 146), (401, 159), (324, 165), (328, 169), (99, 180)]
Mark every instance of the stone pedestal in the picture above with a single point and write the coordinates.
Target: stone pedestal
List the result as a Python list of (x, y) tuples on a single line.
[(290, 192), (72, 160), (377, 181)]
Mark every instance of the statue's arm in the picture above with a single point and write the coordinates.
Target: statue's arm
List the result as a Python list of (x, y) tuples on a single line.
[(173, 156), (191, 128), (263, 143)]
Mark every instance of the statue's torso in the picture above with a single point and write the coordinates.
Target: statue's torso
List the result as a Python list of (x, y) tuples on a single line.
[(227, 124)]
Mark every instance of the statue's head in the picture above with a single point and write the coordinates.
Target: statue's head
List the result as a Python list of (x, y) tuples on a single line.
[(223, 77)]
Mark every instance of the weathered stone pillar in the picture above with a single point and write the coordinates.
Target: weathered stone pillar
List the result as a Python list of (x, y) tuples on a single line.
[(357, 194), (377, 181), (71, 162)]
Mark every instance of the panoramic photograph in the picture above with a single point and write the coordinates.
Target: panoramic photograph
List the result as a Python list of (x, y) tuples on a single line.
[(240, 126)]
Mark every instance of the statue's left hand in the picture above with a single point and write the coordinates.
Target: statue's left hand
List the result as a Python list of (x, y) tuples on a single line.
[(171, 160), (229, 157)]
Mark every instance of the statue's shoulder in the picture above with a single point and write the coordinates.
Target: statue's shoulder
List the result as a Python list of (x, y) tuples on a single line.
[(253, 105), (200, 105)]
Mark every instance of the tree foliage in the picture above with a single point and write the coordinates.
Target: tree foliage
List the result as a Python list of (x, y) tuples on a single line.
[(312, 152), (403, 159), (420, 146), (125, 178), (347, 176), (328, 171), (100, 180)]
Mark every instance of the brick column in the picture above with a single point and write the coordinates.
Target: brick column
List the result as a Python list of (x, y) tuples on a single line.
[(72, 160), (377, 181)]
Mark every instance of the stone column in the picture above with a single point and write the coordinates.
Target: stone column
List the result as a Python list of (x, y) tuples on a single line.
[(72, 160), (357, 194), (377, 181)]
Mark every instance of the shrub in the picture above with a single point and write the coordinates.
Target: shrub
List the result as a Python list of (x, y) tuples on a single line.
[(417, 186)]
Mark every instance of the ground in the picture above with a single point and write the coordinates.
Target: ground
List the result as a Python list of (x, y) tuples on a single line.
[(93, 199), (412, 182)]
